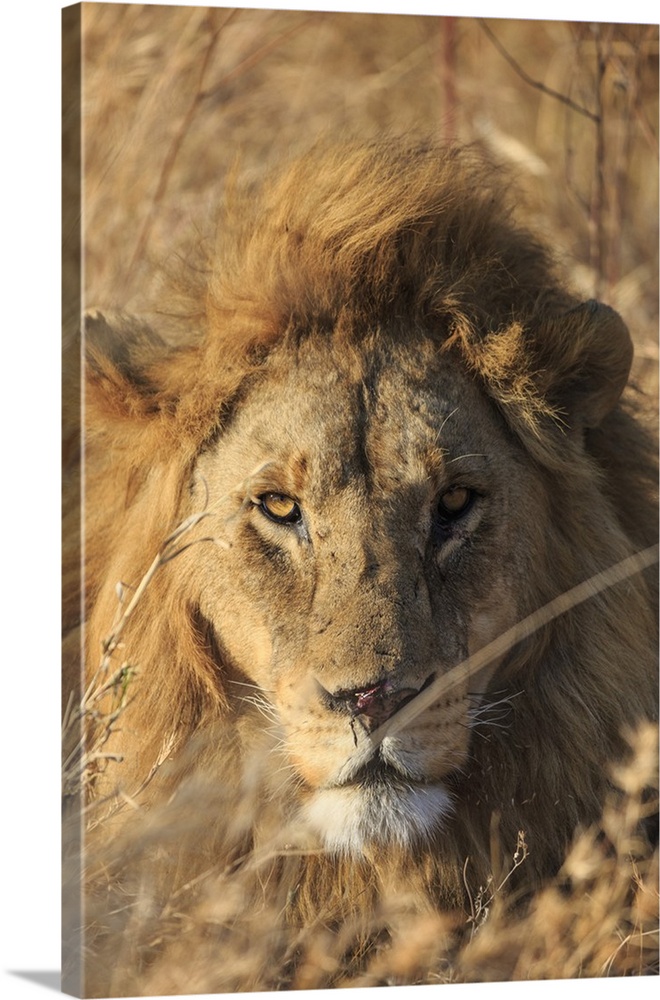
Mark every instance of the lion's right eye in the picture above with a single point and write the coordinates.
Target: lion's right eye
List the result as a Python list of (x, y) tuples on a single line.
[(280, 508)]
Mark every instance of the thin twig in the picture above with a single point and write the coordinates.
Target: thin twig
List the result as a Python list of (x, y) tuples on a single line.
[(517, 68), (448, 76), (199, 96), (79, 764), (165, 554), (598, 204), (259, 54), (175, 146)]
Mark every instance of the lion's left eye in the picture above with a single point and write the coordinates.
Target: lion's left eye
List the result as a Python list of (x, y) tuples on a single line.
[(455, 502), (280, 508)]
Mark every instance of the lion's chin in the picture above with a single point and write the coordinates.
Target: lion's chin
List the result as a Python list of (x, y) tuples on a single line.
[(350, 818)]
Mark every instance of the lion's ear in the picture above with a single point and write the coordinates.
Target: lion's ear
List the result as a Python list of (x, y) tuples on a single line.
[(584, 358), (121, 352)]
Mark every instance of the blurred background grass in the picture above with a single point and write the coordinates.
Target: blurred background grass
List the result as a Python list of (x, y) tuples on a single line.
[(172, 96)]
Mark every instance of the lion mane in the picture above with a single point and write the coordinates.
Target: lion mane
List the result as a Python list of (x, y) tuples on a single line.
[(352, 253)]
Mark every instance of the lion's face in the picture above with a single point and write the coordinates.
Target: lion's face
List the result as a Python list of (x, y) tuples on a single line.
[(372, 503)]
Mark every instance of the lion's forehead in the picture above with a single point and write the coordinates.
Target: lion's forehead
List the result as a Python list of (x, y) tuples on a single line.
[(388, 419)]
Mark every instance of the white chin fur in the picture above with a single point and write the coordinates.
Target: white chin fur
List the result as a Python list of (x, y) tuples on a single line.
[(349, 818)]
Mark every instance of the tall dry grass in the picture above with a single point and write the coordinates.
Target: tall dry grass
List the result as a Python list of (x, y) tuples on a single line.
[(179, 900), (172, 98), (225, 932)]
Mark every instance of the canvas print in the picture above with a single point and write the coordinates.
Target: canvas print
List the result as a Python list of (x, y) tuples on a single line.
[(360, 498)]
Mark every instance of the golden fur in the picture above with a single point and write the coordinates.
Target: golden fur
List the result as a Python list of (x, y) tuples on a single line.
[(375, 331)]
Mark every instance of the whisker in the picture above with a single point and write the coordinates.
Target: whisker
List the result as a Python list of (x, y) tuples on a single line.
[(263, 706), (459, 457), (448, 417), (257, 687)]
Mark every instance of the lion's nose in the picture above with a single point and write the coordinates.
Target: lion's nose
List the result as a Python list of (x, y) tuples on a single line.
[(374, 703)]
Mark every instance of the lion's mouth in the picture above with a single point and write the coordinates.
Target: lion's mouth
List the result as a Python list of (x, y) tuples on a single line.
[(376, 762)]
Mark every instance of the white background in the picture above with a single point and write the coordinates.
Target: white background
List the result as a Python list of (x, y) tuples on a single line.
[(29, 546)]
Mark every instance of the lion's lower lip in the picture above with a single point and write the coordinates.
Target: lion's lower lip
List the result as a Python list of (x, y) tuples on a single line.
[(379, 772), (376, 772)]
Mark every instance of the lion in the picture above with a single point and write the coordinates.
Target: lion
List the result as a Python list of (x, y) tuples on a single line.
[(391, 434)]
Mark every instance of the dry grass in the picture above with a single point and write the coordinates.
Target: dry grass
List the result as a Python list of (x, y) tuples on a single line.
[(599, 919), (143, 924), (172, 96)]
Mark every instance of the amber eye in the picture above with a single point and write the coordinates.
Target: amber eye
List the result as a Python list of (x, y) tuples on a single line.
[(455, 502), (280, 508)]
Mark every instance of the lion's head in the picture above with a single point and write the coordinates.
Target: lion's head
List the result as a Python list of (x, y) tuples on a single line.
[(404, 435)]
